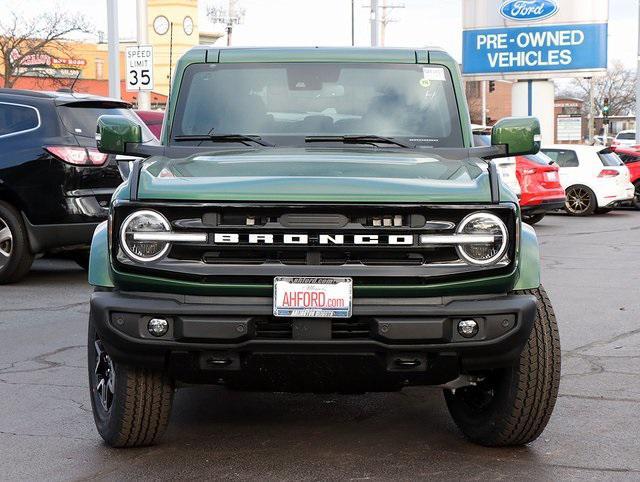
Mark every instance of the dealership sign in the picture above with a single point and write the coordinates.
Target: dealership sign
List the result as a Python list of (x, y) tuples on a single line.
[(534, 38)]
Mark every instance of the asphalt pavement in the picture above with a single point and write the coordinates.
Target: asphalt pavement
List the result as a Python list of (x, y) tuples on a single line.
[(591, 269)]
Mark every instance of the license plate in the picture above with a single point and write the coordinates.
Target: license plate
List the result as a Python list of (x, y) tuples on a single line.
[(312, 297)]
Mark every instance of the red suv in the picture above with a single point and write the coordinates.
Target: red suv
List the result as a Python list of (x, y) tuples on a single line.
[(153, 119), (540, 183), (631, 158)]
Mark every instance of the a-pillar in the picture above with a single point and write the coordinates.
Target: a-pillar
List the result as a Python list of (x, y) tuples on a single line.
[(536, 98)]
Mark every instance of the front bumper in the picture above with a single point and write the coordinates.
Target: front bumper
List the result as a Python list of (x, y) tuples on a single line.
[(388, 343)]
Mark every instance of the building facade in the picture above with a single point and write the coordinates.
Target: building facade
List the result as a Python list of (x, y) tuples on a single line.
[(172, 29)]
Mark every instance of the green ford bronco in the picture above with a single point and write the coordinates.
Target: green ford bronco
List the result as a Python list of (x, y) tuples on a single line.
[(318, 220)]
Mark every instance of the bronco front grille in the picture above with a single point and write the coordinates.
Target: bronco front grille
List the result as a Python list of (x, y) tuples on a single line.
[(254, 242)]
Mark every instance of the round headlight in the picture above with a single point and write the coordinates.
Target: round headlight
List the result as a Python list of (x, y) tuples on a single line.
[(484, 253), (144, 222)]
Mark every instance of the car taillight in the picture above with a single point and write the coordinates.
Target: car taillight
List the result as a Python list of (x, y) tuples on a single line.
[(528, 172), (79, 156), (608, 173), (551, 176)]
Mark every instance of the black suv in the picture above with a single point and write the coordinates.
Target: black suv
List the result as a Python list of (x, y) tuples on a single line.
[(55, 186)]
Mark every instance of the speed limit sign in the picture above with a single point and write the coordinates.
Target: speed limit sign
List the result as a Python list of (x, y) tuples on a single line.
[(139, 61)]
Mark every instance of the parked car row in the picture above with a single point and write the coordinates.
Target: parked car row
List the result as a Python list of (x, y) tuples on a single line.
[(594, 178), (580, 179)]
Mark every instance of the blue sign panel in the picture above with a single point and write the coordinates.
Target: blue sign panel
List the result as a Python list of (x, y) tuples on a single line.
[(535, 49), (528, 10)]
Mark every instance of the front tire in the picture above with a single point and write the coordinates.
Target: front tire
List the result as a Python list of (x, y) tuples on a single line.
[(131, 406), (15, 253), (512, 406)]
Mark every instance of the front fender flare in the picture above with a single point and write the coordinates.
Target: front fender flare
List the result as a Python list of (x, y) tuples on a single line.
[(99, 268), (529, 265)]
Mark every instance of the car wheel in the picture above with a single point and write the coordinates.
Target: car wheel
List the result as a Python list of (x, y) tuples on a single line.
[(581, 201), (635, 202), (533, 219), (15, 253), (131, 405), (512, 406)]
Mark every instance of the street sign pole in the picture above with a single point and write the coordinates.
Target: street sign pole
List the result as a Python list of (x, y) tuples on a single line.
[(483, 86), (144, 97), (114, 48)]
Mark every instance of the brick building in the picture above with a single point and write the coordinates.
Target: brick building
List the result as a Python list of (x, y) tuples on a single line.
[(498, 101)]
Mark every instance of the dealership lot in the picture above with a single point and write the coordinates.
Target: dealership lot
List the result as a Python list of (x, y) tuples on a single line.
[(590, 269)]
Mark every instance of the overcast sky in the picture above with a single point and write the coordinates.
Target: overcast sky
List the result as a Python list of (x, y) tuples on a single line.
[(328, 22)]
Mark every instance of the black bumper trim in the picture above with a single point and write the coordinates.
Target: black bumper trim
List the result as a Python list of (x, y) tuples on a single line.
[(543, 207), (488, 353), (49, 236)]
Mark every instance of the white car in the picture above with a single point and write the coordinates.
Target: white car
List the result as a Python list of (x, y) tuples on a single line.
[(625, 138), (593, 177), (505, 166)]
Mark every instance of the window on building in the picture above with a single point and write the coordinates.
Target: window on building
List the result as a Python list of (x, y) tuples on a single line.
[(99, 69)]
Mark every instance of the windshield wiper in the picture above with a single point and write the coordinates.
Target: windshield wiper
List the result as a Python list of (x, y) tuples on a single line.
[(243, 138), (357, 139)]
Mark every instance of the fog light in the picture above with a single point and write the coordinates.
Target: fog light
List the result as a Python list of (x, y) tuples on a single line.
[(468, 328), (158, 326)]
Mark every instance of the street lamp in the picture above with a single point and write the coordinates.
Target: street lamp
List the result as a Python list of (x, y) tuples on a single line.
[(229, 16)]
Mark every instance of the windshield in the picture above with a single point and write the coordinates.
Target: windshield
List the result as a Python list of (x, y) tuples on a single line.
[(609, 158), (627, 136), (81, 118), (286, 102)]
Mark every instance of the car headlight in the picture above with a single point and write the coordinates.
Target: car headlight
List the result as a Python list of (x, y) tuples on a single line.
[(140, 249), (485, 252)]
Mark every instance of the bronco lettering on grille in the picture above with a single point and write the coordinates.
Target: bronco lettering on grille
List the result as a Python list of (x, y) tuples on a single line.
[(318, 239)]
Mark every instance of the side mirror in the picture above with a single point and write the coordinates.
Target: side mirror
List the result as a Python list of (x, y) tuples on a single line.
[(114, 132), (520, 135)]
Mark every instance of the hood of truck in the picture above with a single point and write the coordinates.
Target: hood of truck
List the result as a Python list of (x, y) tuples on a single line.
[(313, 174)]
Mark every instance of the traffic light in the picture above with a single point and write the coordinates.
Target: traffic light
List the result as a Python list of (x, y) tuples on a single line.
[(605, 111), (492, 85)]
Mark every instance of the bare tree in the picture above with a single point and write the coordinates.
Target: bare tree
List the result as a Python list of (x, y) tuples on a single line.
[(29, 44), (618, 85)]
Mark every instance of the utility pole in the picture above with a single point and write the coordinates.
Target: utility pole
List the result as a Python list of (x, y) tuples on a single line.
[(374, 23), (353, 23), (229, 16), (386, 19), (114, 48), (144, 97), (638, 83)]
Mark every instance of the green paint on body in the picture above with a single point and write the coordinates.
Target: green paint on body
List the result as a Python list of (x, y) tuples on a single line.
[(366, 175), (299, 174)]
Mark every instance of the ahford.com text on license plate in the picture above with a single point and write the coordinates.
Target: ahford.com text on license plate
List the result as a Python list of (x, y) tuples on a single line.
[(312, 297)]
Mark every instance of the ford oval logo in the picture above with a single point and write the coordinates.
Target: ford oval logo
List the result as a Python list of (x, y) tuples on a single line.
[(528, 10)]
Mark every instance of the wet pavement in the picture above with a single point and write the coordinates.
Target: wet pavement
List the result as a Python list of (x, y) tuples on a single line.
[(591, 269)]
